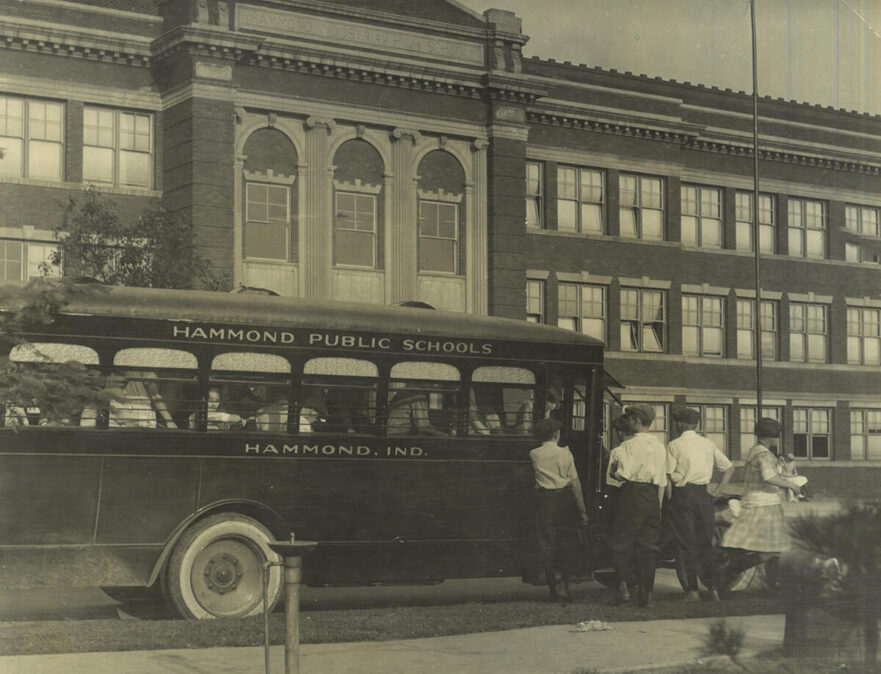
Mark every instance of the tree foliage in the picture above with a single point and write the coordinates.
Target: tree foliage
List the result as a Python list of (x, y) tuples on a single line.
[(58, 390), (156, 250)]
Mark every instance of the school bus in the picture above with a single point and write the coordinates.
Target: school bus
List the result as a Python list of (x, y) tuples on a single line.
[(396, 437)]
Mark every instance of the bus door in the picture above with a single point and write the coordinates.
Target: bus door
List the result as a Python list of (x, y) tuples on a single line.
[(581, 416)]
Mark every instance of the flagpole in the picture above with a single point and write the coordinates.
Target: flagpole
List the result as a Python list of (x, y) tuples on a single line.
[(756, 242)]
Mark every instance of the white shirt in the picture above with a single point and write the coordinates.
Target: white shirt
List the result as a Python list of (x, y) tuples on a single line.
[(553, 465), (642, 458), (691, 457)]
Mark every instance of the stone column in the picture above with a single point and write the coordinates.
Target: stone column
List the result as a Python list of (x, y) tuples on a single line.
[(402, 239), (238, 222), (316, 227), (477, 270)]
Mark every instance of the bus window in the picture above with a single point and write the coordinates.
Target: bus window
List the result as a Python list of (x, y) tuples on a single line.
[(248, 390), (497, 395), (155, 387), (422, 398), (20, 413), (339, 395), (527, 416)]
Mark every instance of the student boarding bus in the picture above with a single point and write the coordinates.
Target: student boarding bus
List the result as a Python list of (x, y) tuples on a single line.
[(396, 437)]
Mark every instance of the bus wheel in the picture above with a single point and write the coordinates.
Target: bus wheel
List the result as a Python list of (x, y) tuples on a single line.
[(216, 568)]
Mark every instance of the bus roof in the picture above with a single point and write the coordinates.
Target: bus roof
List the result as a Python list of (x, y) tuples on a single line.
[(285, 312)]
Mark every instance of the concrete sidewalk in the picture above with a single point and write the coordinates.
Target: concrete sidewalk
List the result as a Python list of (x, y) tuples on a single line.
[(630, 646)]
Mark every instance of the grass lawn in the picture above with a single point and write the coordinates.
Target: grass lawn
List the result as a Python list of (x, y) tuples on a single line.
[(347, 625)]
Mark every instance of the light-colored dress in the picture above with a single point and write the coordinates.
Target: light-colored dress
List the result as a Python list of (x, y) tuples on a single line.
[(760, 526)]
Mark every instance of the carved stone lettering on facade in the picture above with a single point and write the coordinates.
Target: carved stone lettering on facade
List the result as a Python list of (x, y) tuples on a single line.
[(344, 32)]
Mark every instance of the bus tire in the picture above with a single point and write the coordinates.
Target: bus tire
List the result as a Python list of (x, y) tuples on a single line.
[(216, 568)]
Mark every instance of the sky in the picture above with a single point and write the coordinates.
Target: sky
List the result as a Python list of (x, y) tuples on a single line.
[(814, 51)]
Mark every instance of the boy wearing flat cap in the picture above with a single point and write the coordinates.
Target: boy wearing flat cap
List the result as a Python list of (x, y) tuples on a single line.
[(639, 462), (760, 525), (689, 514)]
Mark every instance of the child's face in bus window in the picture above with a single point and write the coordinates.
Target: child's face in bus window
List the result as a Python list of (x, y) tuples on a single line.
[(213, 400)]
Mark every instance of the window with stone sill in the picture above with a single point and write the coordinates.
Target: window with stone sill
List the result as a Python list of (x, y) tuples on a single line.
[(701, 216), (580, 200), (807, 228), (535, 301), (582, 307), (748, 425), (355, 224), (534, 194), (746, 329), (808, 333), (745, 222), (31, 138), (643, 320), (117, 147), (267, 216), (865, 434), (811, 433), (863, 220), (703, 326), (438, 232), (641, 207), (863, 336)]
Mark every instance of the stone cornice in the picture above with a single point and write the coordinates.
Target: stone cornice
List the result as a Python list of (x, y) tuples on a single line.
[(205, 41), (503, 86), (49, 38), (688, 137)]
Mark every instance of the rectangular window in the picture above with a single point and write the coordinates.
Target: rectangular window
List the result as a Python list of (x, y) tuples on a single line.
[(643, 318), (267, 226), (811, 433), (745, 219), (746, 329), (582, 308), (641, 207), (534, 193), (863, 220), (11, 260), (438, 237), (808, 330), (748, 425), (807, 229), (865, 434), (714, 425), (39, 256), (354, 230), (580, 198), (117, 147), (701, 216), (863, 336), (31, 138), (535, 301), (853, 252), (703, 327)]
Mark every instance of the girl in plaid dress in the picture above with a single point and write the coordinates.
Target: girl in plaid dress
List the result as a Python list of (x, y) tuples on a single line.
[(760, 526)]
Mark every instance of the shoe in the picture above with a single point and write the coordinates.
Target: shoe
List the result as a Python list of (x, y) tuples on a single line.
[(692, 596), (713, 596), (623, 596)]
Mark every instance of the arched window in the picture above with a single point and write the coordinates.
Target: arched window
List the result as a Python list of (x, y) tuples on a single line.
[(358, 206), (269, 199), (441, 222)]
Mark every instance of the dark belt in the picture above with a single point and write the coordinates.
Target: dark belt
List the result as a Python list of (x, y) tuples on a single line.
[(640, 484), (552, 491)]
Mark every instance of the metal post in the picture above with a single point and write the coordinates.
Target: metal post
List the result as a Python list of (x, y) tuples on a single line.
[(292, 553), (756, 244)]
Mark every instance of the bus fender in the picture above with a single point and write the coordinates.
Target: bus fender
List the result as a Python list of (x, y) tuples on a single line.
[(260, 512)]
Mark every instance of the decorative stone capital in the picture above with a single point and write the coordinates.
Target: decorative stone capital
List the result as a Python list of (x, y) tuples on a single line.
[(240, 114), (315, 122), (412, 134), (480, 144), (360, 131), (271, 119)]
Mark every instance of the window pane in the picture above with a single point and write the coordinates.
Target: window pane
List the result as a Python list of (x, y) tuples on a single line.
[(568, 323), (745, 344), (712, 342), (711, 233), (652, 225), (98, 164), (689, 230), (566, 218), (592, 218), (796, 244), (135, 168), (816, 242), (10, 162), (627, 217), (266, 241), (353, 247), (44, 160), (437, 255), (690, 340)]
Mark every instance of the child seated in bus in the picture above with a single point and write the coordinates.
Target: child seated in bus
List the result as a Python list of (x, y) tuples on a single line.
[(526, 417), (408, 412), (217, 420)]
